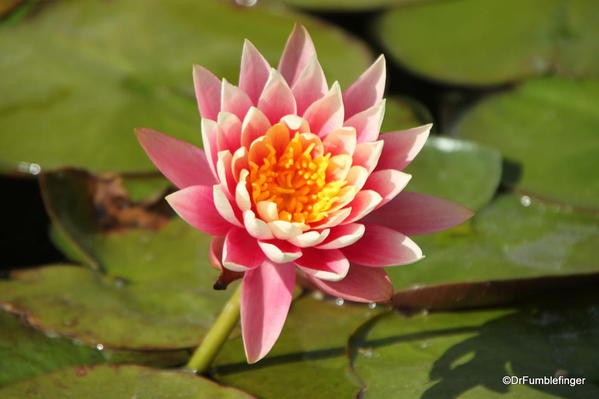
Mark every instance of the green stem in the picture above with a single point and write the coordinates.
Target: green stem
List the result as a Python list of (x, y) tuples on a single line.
[(204, 355)]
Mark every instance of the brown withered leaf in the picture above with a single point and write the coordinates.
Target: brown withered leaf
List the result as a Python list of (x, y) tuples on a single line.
[(106, 203), (6, 6), (116, 212)]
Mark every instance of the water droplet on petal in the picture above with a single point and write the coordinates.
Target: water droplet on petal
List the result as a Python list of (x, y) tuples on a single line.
[(372, 305), (339, 301)]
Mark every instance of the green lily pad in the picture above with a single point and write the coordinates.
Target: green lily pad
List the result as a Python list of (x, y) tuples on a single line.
[(26, 352), (119, 382), (549, 129), (404, 113), (509, 239), (486, 294), (308, 360), (155, 291), (76, 92), (466, 355), (491, 42), (457, 170)]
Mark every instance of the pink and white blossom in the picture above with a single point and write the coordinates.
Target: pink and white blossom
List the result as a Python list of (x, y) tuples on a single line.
[(294, 176)]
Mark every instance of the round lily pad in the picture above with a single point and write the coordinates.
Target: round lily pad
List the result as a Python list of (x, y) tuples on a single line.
[(84, 74), (155, 286), (466, 355), (404, 113), (488, 42), (457, 170), (26, 352), (308, 360), (548, 131), (509, 239), (119, 382)]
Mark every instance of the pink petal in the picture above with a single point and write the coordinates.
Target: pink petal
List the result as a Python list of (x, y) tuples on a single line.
[(215, 255), (268, 211), (195, 205), (368, 122), (207, 89), (257, 228), (266, 295), (253, 72), (368, 154), (234, 100), (210, 132), (367, 90), (310, 86), (343, 236), (255, 124), (340, 141), (382, 246), (401, 147), (225, 173), (280, 251), (229, 132), (284, 230), (241, 251), (326, 114), (310, 238), (224, 207), (333, 219), (182, 163), (363, 203), (324, 264), (388, 183), (414, 213), (362, 284), (297, 54), (357, 176), (296, 124), (239, 161), (242, 195), (276, 100)]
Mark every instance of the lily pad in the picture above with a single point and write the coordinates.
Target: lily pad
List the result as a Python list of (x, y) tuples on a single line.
[(77, 88), (308, 360), (466, 355), (509, 239), (155, 291), (404, 113), (549, 129), (457, 170), (486, 294), (489, 42), (26, 352), (119, 382)]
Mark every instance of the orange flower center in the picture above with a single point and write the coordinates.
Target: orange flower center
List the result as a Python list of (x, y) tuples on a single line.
[(295, 175)]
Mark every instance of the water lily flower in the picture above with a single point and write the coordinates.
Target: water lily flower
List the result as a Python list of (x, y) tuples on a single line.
[(294, 176)]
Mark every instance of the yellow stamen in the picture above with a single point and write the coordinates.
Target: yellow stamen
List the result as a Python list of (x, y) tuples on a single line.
[(293, 178)]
